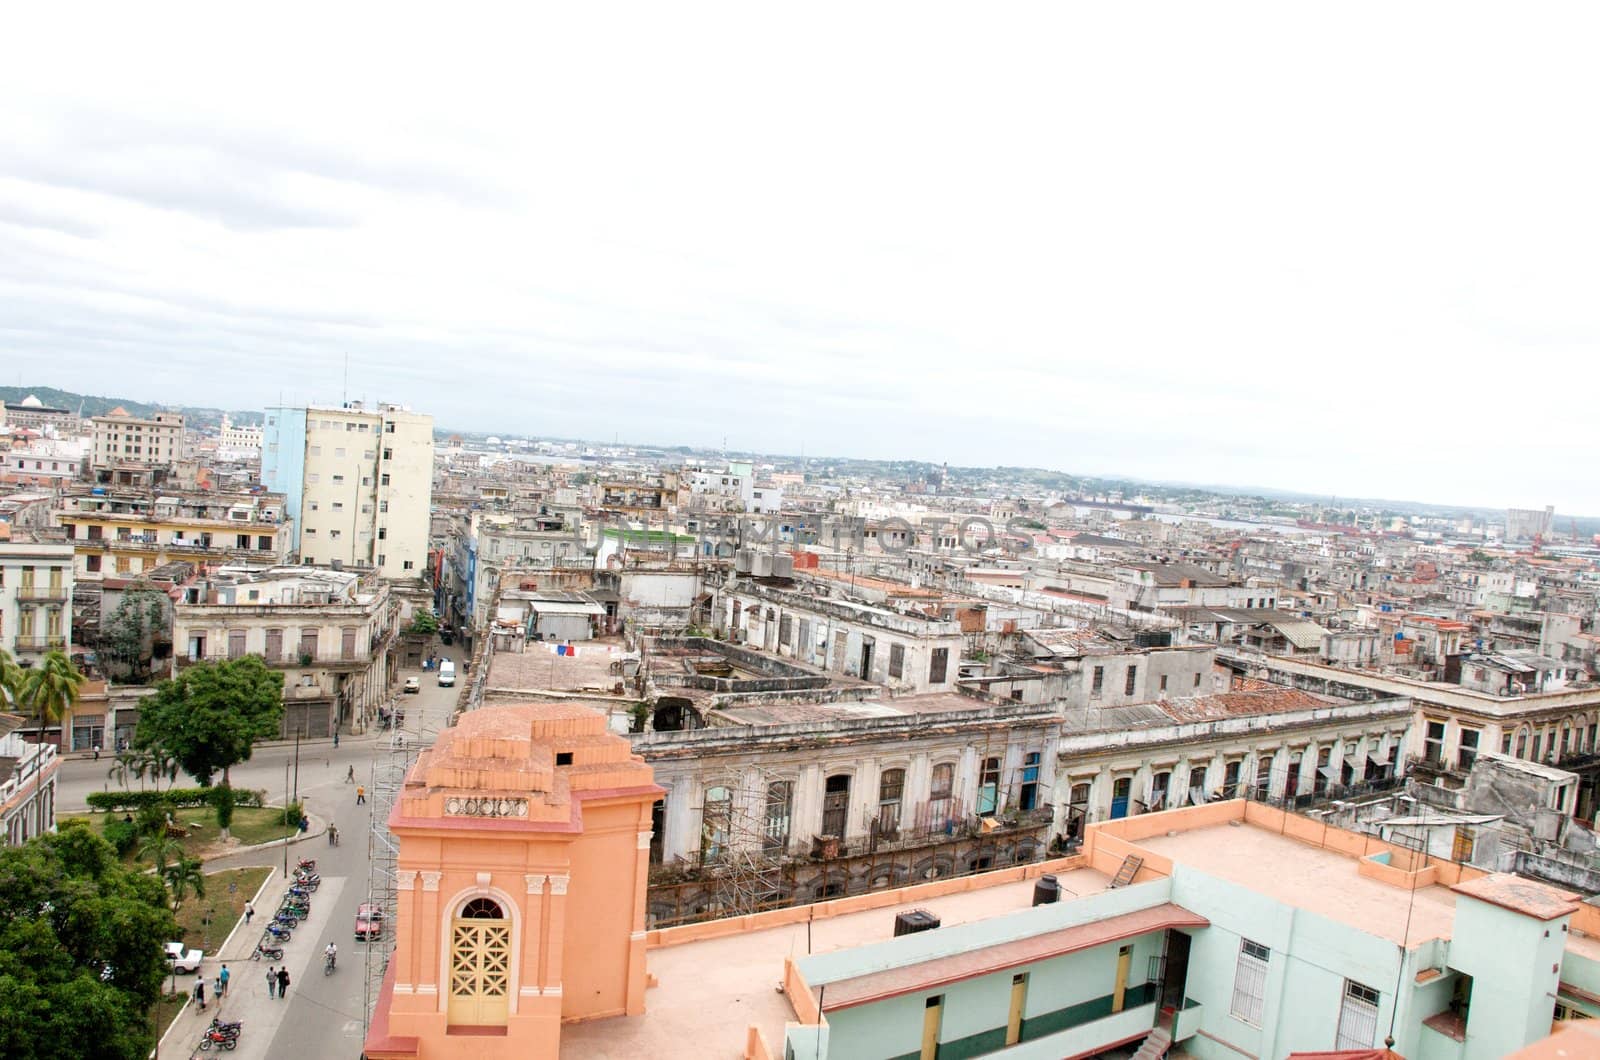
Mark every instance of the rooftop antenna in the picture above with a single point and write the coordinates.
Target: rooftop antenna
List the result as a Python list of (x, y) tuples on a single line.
[(344, 390)]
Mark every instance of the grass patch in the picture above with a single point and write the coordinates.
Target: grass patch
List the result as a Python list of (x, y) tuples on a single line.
[(167, 1010), (251, 825), (205, 922)]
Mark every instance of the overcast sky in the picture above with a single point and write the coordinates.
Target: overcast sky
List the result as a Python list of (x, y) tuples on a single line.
[(1346, 249)]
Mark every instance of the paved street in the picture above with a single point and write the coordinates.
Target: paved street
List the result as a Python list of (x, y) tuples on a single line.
[(323, 1015)]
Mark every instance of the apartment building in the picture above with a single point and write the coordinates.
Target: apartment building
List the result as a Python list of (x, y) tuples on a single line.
[(43, 462), (27, 783), (1232, 930), (32, 414), (35, 599), (240, 439), (124, 440), (331, 632), (905, 651), (115, 531), (358, 483)]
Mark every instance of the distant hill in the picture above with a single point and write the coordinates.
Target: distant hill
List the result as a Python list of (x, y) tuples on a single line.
[(99, 406)]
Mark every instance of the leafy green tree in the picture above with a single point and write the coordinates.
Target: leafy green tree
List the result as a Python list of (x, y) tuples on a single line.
[(210, 716), (81, 959), (424, 622)]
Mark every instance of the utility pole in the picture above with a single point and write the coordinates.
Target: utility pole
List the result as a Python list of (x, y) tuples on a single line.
[(285, 819), (297, 765)]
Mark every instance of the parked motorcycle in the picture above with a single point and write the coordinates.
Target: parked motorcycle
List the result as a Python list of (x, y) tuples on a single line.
[(216, 1037), (282, 934), (308, 864), (286, 919), (271, 953), (231, 1028), (298, 892), (308, 879)]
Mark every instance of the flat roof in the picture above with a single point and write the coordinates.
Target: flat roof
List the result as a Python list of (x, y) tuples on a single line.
[(1528, 897), (711, 990), (950, 968), (1311, 878)]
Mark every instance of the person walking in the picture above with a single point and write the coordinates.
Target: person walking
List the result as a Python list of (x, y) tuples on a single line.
[(336, 738), (283, 982), (222, 981), (350, 776), (249, 911), (200, 992), (361, 794), (272, 981)]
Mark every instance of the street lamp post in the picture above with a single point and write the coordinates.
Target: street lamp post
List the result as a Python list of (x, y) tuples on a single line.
[(286, 819)]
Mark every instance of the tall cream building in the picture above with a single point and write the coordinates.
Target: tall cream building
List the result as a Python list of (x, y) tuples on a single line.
[(121, 439), (358, 482)]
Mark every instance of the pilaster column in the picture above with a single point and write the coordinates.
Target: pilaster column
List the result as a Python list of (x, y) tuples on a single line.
[(434, 934), (557, 910), (405, 927), (533, 926)]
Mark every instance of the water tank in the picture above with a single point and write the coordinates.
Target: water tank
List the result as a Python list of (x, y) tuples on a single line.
[(742, 561), (1047, 891), (762, 567), (783, 566), (913, 921)]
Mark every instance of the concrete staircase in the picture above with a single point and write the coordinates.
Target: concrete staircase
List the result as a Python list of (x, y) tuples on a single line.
[(1155, 1046)]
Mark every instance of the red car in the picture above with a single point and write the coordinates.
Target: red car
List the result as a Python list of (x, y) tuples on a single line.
[(369, 922)]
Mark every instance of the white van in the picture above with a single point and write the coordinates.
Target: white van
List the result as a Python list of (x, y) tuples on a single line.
[(447, 673)]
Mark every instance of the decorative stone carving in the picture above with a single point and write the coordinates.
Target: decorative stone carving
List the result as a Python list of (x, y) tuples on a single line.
[(461, 806), (558, 884), (430, 880), (535, 882)]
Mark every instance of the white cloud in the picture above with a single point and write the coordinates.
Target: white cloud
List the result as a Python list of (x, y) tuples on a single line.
[(1347, 251)]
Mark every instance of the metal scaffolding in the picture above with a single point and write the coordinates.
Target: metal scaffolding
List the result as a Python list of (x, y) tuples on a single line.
[(744, 838), (396, 752)]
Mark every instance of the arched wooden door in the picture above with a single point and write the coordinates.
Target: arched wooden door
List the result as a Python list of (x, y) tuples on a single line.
[(480, 965)]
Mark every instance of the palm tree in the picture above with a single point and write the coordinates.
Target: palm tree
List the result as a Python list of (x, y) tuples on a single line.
[(182, 876), (160, 850), (51, 688), (11, 678)]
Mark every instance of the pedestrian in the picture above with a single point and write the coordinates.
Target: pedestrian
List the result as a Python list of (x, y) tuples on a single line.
[(336, 737), (97, 752), (361, 794), (222, 981), (249, 911), (200, 992), (272, 981), (283, 982), (350, 777), (304, 823)]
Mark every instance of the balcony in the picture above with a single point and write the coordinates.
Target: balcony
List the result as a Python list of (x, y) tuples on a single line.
[(51, 642), (42, 593), (287, 661)]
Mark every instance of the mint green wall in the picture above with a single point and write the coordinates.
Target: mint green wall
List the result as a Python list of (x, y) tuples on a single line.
[(1312, 956), (894, 1027), (1512, 959)]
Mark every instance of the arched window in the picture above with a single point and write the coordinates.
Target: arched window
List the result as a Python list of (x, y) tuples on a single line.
[(480, 965), (941, 801)]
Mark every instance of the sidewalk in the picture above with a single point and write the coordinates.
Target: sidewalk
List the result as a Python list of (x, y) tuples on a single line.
[(247, 998)]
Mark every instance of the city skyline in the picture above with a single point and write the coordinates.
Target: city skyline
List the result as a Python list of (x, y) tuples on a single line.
[(1195, 260)]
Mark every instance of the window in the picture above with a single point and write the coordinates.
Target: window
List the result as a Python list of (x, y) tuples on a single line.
[(384, 479), (780, 808), (1433, 743), (1163, 682), (1358, 1017), (897, 660), (940, 791), (835, 804), (337, 479), (388, 454), (989, 787), (714, 823), (339, 453), (407, 565), (383, 506), (338, 506), (1468, 748), (1197, 785), (938, 666), (1129, 680), (1098, 683), (891, 788), (388, 428), (1197, 680), (1250, 982), (1028, 792), (383, 533)]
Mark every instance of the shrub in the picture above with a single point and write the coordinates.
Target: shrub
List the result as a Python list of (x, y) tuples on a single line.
[(224, 800), (123, 835), (179, 798), (291, 814)]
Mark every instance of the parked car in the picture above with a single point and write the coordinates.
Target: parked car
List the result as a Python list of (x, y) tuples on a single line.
[(369, 922), (183, 960), (413, 685)]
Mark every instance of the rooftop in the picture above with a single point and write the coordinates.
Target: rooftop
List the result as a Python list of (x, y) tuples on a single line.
[(1317, 880), (736, 975)]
